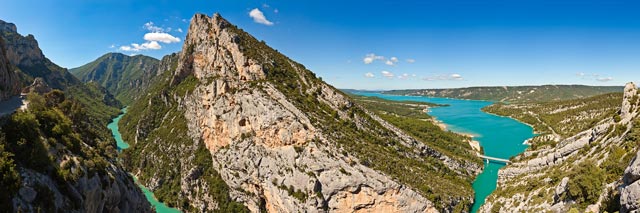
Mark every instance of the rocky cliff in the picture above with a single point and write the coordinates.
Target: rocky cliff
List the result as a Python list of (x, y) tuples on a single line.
[(278, 138), (124, 76), (589, 171), (56, 155), (9, 82), (26, 56)]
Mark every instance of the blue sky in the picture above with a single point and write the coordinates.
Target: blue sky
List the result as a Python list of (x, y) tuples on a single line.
[(409, 44)]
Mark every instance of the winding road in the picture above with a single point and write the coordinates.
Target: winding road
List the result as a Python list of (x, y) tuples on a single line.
[(7, 107)]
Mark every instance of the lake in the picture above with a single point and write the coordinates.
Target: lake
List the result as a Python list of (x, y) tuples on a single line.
[(501, 137)]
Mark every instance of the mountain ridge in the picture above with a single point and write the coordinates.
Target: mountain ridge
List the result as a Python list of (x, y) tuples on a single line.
[(122, 75), (518, 94), (278, 137)]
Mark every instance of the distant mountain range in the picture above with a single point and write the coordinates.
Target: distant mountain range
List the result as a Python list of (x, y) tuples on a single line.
[(122, 75), (514, 93)]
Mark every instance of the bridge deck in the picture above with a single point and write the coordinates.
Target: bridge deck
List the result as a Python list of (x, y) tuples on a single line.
[(494, 159)]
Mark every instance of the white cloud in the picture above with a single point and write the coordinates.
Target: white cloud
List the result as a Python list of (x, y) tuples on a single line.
[(179, 30), (265, 5), (161, 37), (456, 76), (259, 17), (152, 27), (112, 46), (369, 58), (389, 62), (369, 75), (393, 59), (605, 79), (151, 45), (451, 77), (404, 76), (185, 20), (593, 76), (411, 61), (127, 48), (387, 74)]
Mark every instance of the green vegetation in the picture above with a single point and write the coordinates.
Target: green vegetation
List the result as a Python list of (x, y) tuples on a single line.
[(164, 139), (52, 129), (410, 117), (518, 94), (124, 76), (585, 183), (374, 145), (587, 178), (10, 179), (554, 117)]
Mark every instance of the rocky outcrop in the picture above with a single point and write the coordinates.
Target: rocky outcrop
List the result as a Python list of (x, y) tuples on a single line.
[(38, 86), (264, 144), (630, 190), (548, 190), (9, 82), (113, 192)]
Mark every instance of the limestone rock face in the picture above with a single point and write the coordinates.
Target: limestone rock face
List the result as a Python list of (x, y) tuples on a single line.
[(630, 91), (9, 82), (113, 192), (630, 193), (591, 145), (264, 143), (38, 86), (23, 50)]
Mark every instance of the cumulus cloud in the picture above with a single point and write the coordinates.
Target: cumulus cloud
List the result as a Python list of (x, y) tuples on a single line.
[(369, 75), (393, 59), (151, 45), (410, 60), (161, 37), (449, 77), (150, 26), (387, 74), (369, 58), (259, 17), (456, 76), (593, 76), (404, 76), (389, 62), (179, 30), (604, 79)]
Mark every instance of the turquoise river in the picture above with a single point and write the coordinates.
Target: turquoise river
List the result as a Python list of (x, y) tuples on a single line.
[(500, 137), (159, 206)]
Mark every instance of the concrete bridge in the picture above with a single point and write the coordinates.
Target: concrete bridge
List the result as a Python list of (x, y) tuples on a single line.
[(488, 158)]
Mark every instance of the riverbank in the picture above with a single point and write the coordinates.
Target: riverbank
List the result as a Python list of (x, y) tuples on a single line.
[(499, 136), (121, 145)]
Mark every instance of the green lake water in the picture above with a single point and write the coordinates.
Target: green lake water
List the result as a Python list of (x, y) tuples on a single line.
[(159, 206), (500, 137)]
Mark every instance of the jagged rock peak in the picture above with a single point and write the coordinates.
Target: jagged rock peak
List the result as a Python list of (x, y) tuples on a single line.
[(215, 40), (630, 91), (6, 26)]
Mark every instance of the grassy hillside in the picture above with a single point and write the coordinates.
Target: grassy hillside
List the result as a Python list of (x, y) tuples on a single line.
[(515, 94), (122, 75)]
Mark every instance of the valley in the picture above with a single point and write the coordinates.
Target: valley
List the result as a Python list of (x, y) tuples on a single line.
[(198, 113)]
